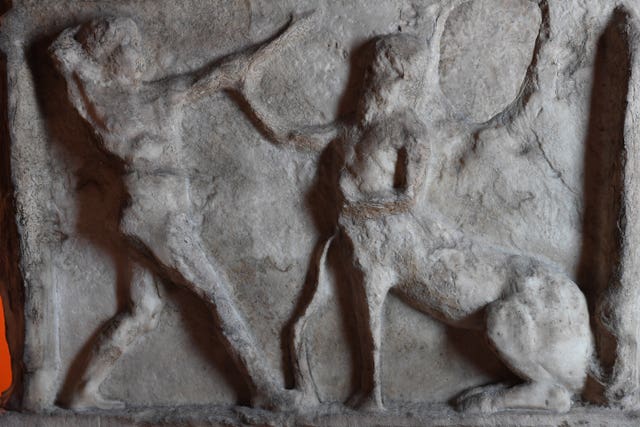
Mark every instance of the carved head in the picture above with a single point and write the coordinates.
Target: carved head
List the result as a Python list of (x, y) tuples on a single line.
[(115, 46), (393, 79)]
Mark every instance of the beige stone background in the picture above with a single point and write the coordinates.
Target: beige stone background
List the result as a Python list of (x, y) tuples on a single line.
[(512, 173)]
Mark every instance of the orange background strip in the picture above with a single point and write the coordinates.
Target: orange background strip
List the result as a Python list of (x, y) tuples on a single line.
[(5, 358)]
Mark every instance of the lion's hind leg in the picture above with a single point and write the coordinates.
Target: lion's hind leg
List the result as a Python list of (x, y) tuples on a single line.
[(541, 331)]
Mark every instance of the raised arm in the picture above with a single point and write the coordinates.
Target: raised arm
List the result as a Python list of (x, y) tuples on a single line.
[(71, 62)]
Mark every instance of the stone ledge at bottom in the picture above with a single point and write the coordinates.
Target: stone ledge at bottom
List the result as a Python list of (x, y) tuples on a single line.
[(327, 415)]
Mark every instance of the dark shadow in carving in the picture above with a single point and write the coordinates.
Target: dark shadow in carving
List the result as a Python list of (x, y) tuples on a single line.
[(5, 6), (359, 60), (472, 346), (11, 285), (101, 196), (603, 182)]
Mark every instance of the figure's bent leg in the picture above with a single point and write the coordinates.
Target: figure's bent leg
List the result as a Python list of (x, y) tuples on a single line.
[(115, 339), (209, 281), (533, 395), (541, 332), (302, 369)]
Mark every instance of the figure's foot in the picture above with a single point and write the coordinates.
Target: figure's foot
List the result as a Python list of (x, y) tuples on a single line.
[(368, 402), (479, 400), (85, 401), (501, 397)]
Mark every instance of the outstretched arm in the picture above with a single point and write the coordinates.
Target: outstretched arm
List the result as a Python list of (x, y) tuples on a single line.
[(313, 138), (70, 59), (270, 125)]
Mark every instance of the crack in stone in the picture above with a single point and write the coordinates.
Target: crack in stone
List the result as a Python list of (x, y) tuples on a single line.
[(557, 173)]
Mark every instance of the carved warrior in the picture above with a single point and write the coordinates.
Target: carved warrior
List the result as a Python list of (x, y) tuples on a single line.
[(533, 315), (140, 122)]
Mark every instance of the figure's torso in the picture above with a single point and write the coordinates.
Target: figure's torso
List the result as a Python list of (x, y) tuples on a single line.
[(375, 158), (141, 127), (144, 129)]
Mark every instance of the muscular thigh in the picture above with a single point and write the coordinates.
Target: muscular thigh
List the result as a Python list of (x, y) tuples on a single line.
[(156, 200)]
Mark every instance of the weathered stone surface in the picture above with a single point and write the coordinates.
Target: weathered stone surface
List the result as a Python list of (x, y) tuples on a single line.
[(340, 212), (407, 415), (485, 51)]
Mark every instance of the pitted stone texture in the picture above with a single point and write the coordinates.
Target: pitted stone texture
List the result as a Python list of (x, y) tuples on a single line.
[(330, 415), (485, 51), (262, 209)]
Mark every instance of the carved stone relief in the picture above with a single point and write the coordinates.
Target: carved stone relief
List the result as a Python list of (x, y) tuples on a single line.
[(320, 213)]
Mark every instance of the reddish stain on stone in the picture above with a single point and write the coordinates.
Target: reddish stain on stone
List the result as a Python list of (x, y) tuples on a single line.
[(5, 359)]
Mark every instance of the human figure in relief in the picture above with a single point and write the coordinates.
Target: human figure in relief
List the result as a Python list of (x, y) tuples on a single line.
[(533, 315), (140, 122)]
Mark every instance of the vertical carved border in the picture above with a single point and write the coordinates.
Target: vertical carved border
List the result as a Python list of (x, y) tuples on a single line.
[(622, 303), (11, 287)]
